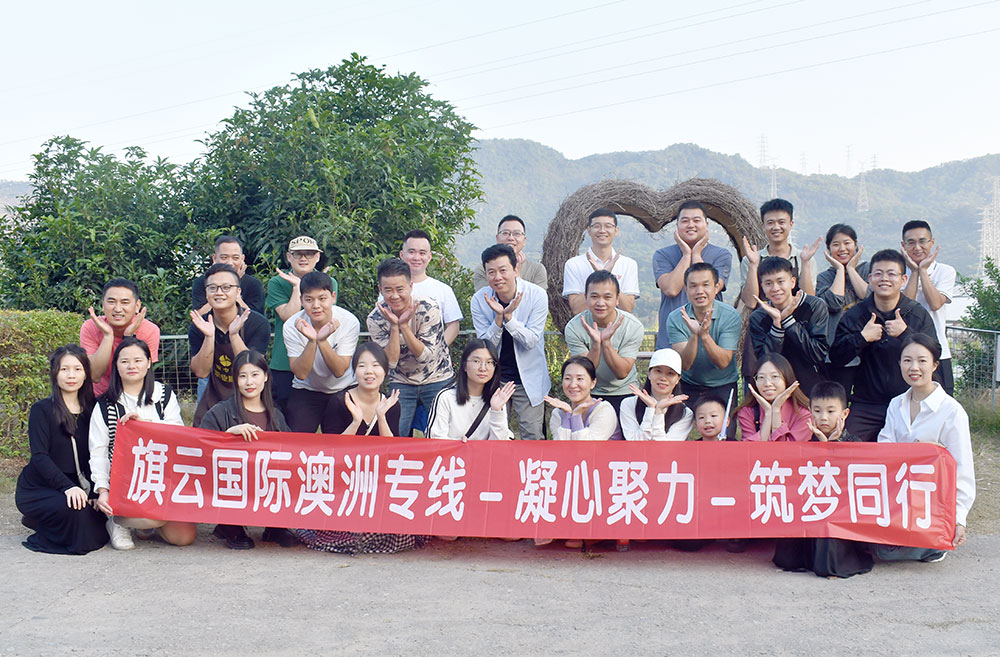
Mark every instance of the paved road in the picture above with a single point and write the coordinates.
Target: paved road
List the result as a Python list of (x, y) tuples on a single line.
[(488, 597)]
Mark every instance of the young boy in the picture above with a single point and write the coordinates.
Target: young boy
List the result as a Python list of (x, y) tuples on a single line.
[(710, 417), (828, 408)]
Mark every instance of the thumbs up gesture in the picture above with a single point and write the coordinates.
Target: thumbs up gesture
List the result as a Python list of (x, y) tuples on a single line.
[(872, 332), (896, 326)]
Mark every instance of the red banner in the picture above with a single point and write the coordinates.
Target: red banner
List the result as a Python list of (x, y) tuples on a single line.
[(892, 493)]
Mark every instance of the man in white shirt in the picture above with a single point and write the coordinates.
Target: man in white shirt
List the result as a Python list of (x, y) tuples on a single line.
[(511, 231), (931, 284), (603, 230), (776, 215), (510, 314), (320, 340)]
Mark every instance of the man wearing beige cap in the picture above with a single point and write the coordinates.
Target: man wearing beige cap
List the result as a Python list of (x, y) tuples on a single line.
[(304, 256)]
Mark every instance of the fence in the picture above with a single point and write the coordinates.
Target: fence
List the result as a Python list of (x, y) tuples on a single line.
[(974, 362)]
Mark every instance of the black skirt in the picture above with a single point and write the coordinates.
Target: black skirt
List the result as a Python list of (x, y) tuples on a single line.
[(827, 557), (59, 529)]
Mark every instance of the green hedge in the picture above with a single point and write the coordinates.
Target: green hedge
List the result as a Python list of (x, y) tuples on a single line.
[(26, 340)]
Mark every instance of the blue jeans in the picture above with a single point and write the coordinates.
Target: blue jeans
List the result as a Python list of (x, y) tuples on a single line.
[(410, 396), (904, 553)]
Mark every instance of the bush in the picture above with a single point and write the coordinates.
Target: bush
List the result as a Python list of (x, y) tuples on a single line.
[(26, 340)]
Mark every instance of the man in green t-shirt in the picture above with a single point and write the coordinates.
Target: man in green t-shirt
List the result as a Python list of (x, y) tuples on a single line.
[(609, 336), (304, 256)]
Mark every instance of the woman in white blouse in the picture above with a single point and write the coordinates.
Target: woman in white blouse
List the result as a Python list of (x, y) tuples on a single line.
[(584, 417), (927, 414), (475, 408), (655, 412), (132, 393)]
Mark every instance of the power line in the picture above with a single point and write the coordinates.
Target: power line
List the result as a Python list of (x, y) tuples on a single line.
[(505, 29), (745, 79), (695, 50), (603, 36), (731, 55), (603, 44)]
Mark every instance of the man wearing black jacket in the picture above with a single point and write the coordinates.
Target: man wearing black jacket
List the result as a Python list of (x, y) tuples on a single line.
[(793, 325), (874, 330)]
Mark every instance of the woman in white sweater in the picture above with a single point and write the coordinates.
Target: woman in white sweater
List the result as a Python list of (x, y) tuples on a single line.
[(655, 412), (927, 414), (462, 412), (584, 417), (133, 393)]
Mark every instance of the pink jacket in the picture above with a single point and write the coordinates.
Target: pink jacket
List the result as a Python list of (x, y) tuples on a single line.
[(794, 424)]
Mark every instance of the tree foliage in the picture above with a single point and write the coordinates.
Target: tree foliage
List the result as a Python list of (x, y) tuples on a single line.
[(92, 216), (350, 155), (984, 313)]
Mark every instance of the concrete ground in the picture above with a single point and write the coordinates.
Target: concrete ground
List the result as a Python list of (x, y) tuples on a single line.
[(486, 597)]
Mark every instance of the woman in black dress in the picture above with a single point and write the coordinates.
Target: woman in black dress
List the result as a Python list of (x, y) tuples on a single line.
[(54, 488)]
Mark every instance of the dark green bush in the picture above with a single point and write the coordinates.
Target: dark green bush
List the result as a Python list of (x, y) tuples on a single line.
[(26, 340)]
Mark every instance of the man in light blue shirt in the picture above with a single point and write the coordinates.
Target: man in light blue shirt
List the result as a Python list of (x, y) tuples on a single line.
[(510, 313)]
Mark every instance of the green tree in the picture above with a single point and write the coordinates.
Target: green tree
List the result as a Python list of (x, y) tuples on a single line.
[(984, 313), (91, 217), (354, 157)]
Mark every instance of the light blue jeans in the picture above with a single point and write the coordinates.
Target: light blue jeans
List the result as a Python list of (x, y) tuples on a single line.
[(411, 395)]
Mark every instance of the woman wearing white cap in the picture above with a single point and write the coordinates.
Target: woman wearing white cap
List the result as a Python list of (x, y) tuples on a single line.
[(661, 415)]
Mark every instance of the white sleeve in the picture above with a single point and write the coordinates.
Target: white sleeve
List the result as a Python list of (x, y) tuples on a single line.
[(450, 310), (630, 427), (681, 429), (571, 279), (172, 411), (100, 460), (347, 338), (439, 422), (630, 277), (945, 283), (295, 342), (600, 425), (958, 441), (893, 429), (498, 427)]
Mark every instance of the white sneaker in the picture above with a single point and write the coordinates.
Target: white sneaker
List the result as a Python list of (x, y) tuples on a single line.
[(936, 558), (121, 537)]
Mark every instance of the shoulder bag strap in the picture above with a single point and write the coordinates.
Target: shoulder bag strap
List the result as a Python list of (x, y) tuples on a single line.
[(478, 420)]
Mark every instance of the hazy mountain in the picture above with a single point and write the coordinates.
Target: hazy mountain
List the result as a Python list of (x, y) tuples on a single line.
[(531, 180)]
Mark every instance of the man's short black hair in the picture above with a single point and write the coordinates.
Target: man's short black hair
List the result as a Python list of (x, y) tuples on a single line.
[(601, 276), (828, 390), (774, 265), (776, 205), (417, 234), (602, 212), (222, 267), (512, 217), (315, 280), (889, 255), (392, 267), (701, 266), (495, 251), (916, 223), (690, 205), (120, 282), (227, 239)]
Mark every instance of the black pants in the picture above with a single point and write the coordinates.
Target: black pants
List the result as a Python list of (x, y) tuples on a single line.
[(722, 392), (866, 420), (945, 376), (308, 410), (281, 389)]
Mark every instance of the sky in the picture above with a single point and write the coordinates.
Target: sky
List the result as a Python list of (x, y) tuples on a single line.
[(829, 87)]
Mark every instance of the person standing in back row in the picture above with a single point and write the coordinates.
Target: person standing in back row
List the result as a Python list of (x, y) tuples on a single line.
[(931, 284), (511, 232), (603, 230), (670, 264)]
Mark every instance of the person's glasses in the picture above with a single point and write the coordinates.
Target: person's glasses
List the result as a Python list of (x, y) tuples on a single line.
[(890, 275), (225, 289), (924, 241), (607, 227), (479, 364), (304, 254), (517, 234), (764, 378)]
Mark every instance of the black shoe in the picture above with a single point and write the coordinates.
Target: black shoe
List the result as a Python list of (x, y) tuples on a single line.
[(281, 536), (736, 544), (234, 536)]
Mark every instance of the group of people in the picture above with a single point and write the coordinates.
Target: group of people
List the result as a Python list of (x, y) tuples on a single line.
[(857, 352)]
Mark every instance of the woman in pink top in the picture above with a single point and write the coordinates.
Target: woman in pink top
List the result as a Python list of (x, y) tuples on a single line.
[(775, 409)]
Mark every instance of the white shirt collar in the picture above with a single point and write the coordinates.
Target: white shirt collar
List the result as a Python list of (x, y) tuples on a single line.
[(932, 401)]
